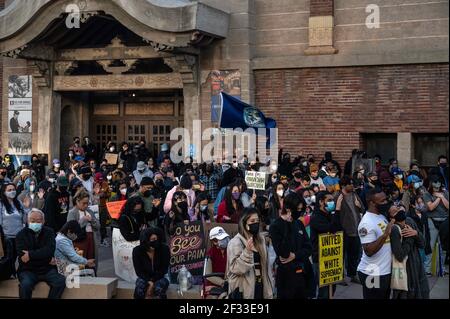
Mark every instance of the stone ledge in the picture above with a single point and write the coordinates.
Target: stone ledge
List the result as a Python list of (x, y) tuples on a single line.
[(90, 288), (125, 290), (321, 50)]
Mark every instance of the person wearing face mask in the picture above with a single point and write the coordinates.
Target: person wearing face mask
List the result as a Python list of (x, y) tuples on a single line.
[(285, 166), (141, 172), (121, 191), (230, 210), (37, 167), (151, 204), (36, 247), (185, 187), (202, 211), (331, 181), (128, 159), (56, 205), (276, 201), (314, 176), (216, 258), (151, 263), (296, 181), (263, 207), (3, 175), (398, 178), (350, 209), (419, 213), (436, 200), (13, 215), (30, 197), (210, 178), (247, 266), (178, 213), (132, 219), (10, 168), (406, 241), (65, 253), (374, 232), (415, 188), (441, 170), (324, 219), (89, 148), (293, 248), (76, 146)]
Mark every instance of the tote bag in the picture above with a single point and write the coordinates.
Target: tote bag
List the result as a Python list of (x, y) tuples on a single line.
[(399, 277)]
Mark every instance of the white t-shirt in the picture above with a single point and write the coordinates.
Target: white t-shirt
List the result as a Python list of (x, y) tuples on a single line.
[(371, 228)]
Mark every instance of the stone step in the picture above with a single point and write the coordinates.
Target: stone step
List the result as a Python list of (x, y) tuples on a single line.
[(125, 290), (90, 288)]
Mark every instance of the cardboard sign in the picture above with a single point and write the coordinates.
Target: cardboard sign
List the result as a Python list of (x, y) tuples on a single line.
[(115, 208), (331, 258), (230, 229), (255, 180), (123, 256), (111, 158), (187, 247)]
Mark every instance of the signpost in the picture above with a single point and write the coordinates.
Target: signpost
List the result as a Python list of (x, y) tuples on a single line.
[(331, 259), (255, 180)]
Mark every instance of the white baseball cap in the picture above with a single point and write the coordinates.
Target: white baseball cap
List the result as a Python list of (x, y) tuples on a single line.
[(218, 233)]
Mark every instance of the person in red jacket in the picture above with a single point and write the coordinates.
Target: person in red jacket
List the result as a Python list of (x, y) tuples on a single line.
[(230, 209)]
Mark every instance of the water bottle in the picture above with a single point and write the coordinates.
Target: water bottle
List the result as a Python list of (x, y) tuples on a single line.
[(184, 279)]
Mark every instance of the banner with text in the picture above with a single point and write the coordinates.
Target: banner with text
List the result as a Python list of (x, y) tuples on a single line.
[(255, 180), (331, 258)]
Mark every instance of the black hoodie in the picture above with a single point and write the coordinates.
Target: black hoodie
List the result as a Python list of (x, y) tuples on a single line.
[(322, 223)]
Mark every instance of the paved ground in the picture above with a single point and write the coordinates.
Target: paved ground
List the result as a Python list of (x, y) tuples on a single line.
[(439, 286)]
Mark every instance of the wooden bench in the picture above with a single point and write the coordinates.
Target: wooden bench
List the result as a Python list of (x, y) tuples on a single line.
[(90, 288)]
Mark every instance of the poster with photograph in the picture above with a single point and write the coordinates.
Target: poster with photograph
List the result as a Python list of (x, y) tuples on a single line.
[(226, 81), (20, 106)]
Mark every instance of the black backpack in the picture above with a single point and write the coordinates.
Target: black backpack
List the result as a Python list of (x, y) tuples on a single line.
[(7, 264)]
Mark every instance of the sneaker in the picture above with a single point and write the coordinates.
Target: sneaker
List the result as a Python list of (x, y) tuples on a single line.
[(355, 280)]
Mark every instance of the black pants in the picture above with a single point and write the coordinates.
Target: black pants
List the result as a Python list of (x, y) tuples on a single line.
[(290, 285), (352, 253), (103, 214), (28, 280), (381, 289)]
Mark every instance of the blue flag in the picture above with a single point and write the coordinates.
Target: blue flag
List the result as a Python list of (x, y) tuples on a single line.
[(236, 114)]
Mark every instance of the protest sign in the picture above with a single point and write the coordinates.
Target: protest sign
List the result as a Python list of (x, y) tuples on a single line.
[(187, 247), (331, 258), (255, 180), (111, 158), (230, 229), (123, 256), (115, 208)]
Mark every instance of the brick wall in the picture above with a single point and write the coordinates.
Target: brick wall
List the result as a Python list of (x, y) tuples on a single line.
[(321, 109), (321, 8)]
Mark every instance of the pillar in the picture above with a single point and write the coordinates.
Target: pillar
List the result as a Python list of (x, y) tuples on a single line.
[(404, 150)]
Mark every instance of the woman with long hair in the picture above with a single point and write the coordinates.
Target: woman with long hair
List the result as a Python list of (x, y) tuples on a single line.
[(13, 216), (132, 220), (178, 213), (247, 260), (231, 208), (276, 200)]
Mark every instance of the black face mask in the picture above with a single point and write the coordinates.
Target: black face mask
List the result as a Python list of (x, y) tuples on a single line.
[(298, 175), (253, 229), (154, 244), (384, 208), (86, 176), (63, 189), (401, 216), (4, 174), (296, 214), (183, 207), (147, 193)]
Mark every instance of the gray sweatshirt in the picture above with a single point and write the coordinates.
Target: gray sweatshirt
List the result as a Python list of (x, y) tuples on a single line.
[(12, 223)]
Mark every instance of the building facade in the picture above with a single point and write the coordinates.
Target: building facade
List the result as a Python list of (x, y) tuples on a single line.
[(335, 74)]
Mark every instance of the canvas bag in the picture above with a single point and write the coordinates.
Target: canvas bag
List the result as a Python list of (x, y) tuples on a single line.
[(399, 276)]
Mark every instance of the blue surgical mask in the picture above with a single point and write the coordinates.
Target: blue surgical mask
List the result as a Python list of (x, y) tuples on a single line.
[(36, 227), (330, 207), (418, 185)]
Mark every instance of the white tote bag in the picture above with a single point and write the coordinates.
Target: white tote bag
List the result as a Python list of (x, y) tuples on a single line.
[(399, 276)]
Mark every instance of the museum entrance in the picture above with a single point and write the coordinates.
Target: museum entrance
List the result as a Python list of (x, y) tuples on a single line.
[(133, 116)]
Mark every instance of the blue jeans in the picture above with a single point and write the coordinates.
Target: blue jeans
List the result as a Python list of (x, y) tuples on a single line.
[(28, 280)]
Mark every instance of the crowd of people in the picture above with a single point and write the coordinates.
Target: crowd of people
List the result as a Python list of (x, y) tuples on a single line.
[(389, 217)]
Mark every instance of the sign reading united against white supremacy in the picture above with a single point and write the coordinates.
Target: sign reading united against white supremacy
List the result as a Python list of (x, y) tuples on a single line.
[(331, 258), (255, 180)]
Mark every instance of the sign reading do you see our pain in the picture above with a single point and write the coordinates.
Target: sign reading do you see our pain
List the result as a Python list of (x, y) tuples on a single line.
[(331, 258)]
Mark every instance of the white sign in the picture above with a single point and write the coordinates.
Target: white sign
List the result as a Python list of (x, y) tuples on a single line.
[(123, 256), (255, 180)]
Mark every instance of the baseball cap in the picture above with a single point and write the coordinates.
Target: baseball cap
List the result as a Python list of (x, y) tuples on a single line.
[(413, 179), (62, 181), (164, 147), (141, 166), (396, 171), (218, 233), (56, 161)]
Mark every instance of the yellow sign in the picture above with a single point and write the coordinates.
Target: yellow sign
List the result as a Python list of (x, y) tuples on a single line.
[(331, 258)]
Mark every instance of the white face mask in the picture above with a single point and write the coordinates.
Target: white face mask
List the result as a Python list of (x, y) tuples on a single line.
[(57, 165), (109, 177), (313, 198), (32, 188), (112, 149), (235, 165), (274, 168), (123, 191), (274, 179), (11, 194), (280, 192), (51, 180), (308, 201)]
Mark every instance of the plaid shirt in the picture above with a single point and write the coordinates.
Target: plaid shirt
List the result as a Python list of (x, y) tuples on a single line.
[(211, 183)]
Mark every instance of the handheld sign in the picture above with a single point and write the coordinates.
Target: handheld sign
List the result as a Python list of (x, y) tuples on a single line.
[(187, 247), (114, 208), (255, 180), (331, 258), (123, 256), (111, 158)]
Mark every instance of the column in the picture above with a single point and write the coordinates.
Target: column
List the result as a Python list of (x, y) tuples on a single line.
[(404, 150)]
